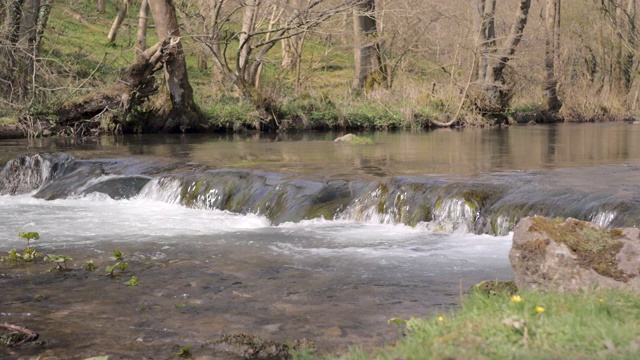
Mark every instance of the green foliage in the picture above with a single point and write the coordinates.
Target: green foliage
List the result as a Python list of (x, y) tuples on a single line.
[(117, 254), (119, 265), (89, 265), (359, 140), (29, 236), (133, 281), (229, 112), (13, 255), (185, 351), (532, 325), (28, 254), (60, 260)]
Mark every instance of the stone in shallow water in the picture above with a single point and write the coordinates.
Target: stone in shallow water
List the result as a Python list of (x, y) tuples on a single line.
[(573, 255), (120, 188)]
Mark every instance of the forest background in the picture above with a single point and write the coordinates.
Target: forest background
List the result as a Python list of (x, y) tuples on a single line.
[(88, 67)]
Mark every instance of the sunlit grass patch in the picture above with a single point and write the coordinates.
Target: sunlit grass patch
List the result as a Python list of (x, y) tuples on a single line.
[(532, 325)]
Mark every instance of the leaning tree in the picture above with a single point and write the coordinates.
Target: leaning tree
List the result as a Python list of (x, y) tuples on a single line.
[(168, 108), (491, 92)]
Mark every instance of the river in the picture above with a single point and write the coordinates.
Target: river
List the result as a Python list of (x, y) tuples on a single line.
[(285, 237)]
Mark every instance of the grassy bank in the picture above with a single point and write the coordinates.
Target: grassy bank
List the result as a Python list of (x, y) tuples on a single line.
[(77, 58), (532, 325)]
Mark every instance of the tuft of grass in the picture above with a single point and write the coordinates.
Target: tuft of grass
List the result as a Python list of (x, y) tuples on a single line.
[(533, 325)]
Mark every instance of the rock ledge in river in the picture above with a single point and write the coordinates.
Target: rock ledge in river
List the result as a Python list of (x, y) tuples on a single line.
[(572, 255)]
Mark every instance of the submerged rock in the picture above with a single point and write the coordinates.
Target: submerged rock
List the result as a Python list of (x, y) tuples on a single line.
[(572, 255), (29, 172), (250, 347), (345, 138)]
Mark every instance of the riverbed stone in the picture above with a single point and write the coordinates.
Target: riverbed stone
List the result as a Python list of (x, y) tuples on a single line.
[(572, 255)]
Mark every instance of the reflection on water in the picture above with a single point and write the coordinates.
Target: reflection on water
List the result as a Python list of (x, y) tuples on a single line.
[(445, 151)]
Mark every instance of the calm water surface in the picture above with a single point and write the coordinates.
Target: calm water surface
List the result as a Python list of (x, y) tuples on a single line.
[(447, 152)]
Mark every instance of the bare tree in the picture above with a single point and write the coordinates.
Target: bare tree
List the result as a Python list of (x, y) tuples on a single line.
[(25, 22), (181, 112), (210, 23), (492, 93), (122, 12), (141, 38), (552, 39), (370, 70), (101, 6)]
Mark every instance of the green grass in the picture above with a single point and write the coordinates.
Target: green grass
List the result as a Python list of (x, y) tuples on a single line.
[(589, 325)]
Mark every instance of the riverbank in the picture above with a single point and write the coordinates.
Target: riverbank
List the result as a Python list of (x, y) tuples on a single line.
[(530, 325)]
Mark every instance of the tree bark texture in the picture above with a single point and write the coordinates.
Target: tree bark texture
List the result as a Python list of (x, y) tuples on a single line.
[(244, 39), (135, 85), (25, 22), (101, 6), (181, 113), (492, 94), (122, 12), (552, 29), (141, 37), (369, 69)]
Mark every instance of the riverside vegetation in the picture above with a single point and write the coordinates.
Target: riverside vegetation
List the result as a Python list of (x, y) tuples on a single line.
[(289, 65)]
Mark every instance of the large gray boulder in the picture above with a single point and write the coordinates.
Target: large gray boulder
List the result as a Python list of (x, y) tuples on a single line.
[(572, 255)]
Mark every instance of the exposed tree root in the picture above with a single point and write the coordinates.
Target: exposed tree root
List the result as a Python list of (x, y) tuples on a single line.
[(82, 116)]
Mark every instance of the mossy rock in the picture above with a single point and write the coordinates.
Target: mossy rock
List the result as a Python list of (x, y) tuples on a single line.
[(595, 247), (496, 287)]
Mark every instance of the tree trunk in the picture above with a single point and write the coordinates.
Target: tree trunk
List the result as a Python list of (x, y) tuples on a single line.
[(629, 45), (492, 93), (30, 22), (181, 113), (118, 20), (9, 32), (552, 26), (141, 38), (135, 85), (369, 69), (244, 46), (101, 6)]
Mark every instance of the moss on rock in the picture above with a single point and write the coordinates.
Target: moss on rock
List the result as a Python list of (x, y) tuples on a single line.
[(595, 247)]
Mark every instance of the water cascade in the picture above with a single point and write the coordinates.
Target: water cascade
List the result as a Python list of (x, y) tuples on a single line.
[(491, 204)]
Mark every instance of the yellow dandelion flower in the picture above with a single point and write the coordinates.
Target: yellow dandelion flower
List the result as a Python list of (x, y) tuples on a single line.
[(516, 298), (441, 319), (602, 300), (539, 309)]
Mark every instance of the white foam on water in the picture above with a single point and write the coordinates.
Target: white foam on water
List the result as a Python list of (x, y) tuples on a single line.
[(84, 219), (364, 239), (355, 245)]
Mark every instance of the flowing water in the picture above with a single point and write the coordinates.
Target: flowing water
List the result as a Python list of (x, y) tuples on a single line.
[(284, 237)]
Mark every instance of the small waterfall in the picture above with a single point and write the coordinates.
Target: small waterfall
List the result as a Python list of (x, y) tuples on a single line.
[(372, 207), (451, 214), (603, 218), (162, 189), (491, 205), (30, 172)]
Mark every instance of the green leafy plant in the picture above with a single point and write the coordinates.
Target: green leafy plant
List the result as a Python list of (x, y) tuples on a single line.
[(117, 254), (119, 265), (13, 255), (89, 265), (30, 254), (29, 236), (60, 260), (185, 351), (133, 281)]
